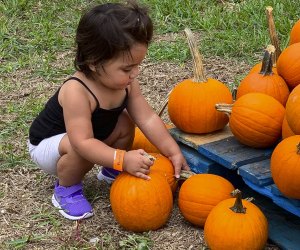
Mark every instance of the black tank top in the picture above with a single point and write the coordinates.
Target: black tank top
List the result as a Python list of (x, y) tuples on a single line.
[(50, 120)]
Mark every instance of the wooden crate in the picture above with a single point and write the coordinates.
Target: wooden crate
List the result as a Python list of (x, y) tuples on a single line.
[(249, 170)]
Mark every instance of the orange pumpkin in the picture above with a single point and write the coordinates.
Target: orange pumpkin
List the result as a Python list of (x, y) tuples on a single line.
[(285, 167), (141, 142), (288, 65), (191, 102), (295, 33), (265, 81), (293, 110), (199, 194), (286, 129), (141, 205), (257, 68), (164, 166), (236, 224), (255, 119)]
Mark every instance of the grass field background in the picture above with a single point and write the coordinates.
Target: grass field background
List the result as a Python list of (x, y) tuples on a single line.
[(37, 42), (36, 55)]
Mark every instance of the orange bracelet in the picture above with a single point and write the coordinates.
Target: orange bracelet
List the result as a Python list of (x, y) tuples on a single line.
[(118, 159)]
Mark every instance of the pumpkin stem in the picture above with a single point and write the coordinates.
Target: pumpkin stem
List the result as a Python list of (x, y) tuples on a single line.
[(298, 149), (224, 107), (164, 105), (196, 56), (185, 174), (238, 205), (273, 34), (267, 62)]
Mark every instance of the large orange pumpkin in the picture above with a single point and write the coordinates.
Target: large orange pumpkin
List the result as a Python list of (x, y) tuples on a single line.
[(285, 166), (164, 166), (293, 110), (236, 224), (191, 102), (199, 194), (288, 65), (265, 81), (295, 33), (255, 119), (141, 205)]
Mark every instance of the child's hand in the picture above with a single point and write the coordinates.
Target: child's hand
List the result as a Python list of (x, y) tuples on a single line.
[(137, 163), (179, 164)]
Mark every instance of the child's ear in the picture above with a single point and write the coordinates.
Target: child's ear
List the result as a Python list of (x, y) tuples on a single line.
[(92, 68)]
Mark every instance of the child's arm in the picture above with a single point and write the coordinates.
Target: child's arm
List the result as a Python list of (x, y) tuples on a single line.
[(154, 128)]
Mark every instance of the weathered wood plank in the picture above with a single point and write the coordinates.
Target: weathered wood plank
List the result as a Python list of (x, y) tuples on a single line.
[(197, 162), (276, 192), (284, 227), (195, 140), (281, 201), (259, 173), (232, 154)]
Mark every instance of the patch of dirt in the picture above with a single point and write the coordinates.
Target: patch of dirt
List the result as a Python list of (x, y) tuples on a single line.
[(27, 216)]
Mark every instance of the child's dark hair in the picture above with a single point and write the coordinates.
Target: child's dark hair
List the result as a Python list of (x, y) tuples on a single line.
[(108, 29)]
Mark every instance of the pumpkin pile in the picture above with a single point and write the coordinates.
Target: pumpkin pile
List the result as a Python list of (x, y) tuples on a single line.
[(266, 113)]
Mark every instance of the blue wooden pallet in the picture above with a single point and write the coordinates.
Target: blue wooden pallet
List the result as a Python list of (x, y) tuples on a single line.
[(220, 153)]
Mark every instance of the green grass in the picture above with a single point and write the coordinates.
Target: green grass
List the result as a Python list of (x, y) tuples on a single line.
[(37, 38)]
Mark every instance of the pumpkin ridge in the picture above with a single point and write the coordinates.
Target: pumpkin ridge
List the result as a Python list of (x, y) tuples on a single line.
[(249, 121), (251, 110), (255, 131)]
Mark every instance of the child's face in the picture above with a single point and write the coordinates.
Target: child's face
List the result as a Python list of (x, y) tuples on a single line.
[(121, 71)]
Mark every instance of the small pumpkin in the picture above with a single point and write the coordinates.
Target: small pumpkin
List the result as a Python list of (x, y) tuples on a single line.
[(236, 223), (199, 194), (285, 167), (295, 33), (141, 142), (141, 205), (191, 102), (255, 119), (164, 166), (286, 130), (265, 81), (288, 65), (293, 110)]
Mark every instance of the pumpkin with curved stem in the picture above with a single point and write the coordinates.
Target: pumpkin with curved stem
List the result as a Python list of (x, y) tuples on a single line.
[(255, 119), (141, 205), (293, 110), (265, 81), (236, 223), (199, 194), (191, 102), (164, 166), (288, 65), (274, 40), (286, 129), (295, 33), (285, 167)]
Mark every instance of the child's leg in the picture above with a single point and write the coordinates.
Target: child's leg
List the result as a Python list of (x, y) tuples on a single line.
[(122, 138), (56, 156), (71, 167)]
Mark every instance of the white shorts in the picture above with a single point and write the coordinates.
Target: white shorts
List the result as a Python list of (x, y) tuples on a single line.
[(46, 154)]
